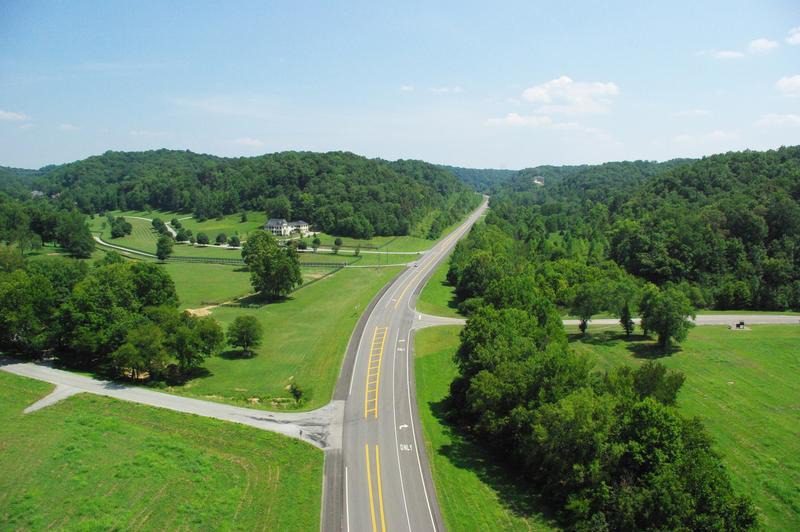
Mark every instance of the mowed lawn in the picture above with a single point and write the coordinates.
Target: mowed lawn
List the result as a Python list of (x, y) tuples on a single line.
[(95, 463), (200, 285), (473, 494), (438, 297), (744, 385), (305, 338)]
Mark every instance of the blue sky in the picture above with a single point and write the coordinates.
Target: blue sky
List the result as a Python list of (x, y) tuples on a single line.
[(501, 84)]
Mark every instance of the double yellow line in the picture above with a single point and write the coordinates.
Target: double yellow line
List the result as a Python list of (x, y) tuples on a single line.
[(380, 489), (373, 381)]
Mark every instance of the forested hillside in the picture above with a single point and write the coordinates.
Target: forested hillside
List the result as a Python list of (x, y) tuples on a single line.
[(481, 180), (338, 192), (724, 229)]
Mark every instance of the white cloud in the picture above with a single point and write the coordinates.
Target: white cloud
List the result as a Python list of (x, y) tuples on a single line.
[(778, 120), (721, 54), (447, 90), (406, 88), (563, 95), (789, 85), (692, 113), (515, 119), (11, 116), (794, 36), (249, 142), (147, 133), (761, 46), (718, 135), (68, 127), (26, 126), (544, 121)]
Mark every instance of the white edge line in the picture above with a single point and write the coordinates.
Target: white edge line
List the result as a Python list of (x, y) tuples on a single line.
[(414, 433), (346, 500), (396, 441), (355, 362)]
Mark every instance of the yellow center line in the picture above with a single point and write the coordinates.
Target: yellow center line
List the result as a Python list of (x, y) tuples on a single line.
[(373, 377), (371, 497), (380, 487)]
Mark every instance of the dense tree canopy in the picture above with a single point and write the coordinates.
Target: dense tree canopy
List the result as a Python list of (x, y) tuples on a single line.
[(116, 317), (338, 192)]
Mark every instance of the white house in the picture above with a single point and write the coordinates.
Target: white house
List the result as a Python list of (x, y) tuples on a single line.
[(278, 227), (301, 227), (281, 227)]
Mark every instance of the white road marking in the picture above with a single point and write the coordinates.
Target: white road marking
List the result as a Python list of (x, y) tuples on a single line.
[(346, 500), (403, 426), (396, 444), (355, 362), (414, 433)]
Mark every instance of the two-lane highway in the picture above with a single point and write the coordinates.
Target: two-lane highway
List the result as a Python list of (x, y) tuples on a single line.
[(380, 480)]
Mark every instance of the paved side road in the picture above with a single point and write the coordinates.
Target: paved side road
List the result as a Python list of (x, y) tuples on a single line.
[(321, 427)]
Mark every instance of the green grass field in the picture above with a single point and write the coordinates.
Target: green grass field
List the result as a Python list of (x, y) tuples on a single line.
[(199, 285), (438, 297), (94, 463), (473, 494), (230, 225), (304, 338), (744, 386)]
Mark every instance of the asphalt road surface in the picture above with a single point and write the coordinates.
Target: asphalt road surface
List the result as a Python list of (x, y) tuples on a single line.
[(380, 478)]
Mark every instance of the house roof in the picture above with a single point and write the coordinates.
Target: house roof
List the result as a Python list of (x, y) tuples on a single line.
[(299, 222), (277, 221)]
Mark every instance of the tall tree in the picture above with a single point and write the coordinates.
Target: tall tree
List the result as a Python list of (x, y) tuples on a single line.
[(274, 271)]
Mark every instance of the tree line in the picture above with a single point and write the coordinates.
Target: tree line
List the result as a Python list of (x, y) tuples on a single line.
[(116, 317), (30, 224), (725, 230), (338, 192)]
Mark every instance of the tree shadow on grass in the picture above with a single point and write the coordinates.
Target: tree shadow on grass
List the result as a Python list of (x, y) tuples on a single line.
[(652, 351), (514, 492), (236, 354), (258, 301)]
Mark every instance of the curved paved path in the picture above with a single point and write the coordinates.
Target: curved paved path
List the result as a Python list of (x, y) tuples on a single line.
[(317, 427)]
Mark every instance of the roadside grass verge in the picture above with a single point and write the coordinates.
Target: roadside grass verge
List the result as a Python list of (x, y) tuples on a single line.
[(474, 494), (95, 463), (744, 386), (305, 337), (438, 298)]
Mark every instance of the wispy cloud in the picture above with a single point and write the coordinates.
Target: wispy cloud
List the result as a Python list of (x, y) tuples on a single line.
[(724, 55), (68, 127), (544, 121), (789, 85), (115, 66), (148, 133), (691, 113), (778, 120), (515, 119), (564, 95), (457, 89), (718, 135), (249, 142), (250, 107), (12, 116), (793, 38), (762, 46), (406, 88)]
